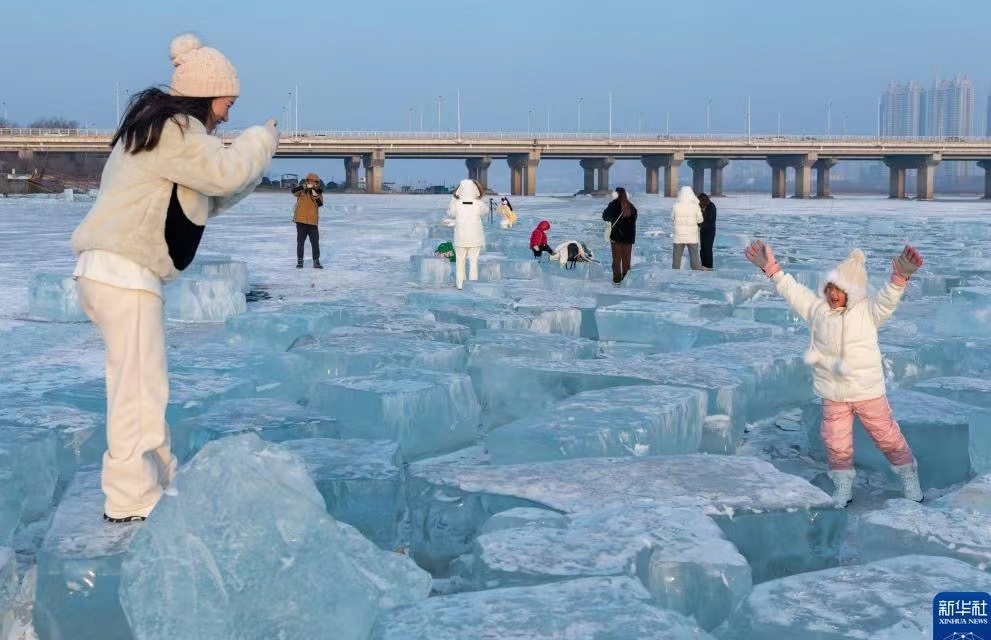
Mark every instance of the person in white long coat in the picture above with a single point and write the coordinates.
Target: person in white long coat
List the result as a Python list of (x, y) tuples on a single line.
[(465, 215), (686, 216)]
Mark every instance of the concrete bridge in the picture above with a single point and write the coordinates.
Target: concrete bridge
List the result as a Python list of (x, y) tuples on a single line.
[(596, 153)]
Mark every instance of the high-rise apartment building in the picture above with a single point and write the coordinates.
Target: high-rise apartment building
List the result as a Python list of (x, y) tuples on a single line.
[(948, 109), (901, 110)]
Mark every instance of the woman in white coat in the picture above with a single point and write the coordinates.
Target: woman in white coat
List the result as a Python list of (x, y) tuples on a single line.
[(686, 216), (465, 215), (166, 176)]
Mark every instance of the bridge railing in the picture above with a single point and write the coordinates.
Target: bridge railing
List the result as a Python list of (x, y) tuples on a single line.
[(310, 135)]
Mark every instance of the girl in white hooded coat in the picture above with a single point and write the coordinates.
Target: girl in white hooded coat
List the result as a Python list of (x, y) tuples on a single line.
[(465, 215), (686, 216)]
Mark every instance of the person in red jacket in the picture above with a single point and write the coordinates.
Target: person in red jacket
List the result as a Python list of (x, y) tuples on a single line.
[(538, 239)]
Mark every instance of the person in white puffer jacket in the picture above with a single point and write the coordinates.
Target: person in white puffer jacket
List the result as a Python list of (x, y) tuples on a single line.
[(465, 213), (166, 175), (686, 216), (846, 360)]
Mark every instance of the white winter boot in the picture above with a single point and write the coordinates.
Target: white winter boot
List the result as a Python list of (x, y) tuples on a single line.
[(843, 481), (909, 475)]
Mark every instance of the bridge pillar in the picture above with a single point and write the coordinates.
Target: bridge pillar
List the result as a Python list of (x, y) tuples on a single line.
[(822, 167), (698, 176), (523, 173), (589, 177), (653, 175), (351, 167), (478, 170), (924, 182), (802, 163), (716, 180), (896, 183), (779, 182), (603, 171), (715, 167), (986, 165), (803, 181), (374, 163), (923, 166), (596, 174)]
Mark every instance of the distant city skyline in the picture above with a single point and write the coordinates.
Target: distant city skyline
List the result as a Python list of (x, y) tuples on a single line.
[(945, 109), (801, 68)]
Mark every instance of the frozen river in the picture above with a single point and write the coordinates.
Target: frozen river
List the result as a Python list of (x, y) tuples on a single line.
[(560, 458)]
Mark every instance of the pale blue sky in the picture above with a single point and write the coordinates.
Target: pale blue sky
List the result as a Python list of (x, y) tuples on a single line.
[(364, 65)]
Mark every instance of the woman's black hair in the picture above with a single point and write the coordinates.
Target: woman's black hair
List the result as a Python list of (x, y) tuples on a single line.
[(624, 202), (141, 128), (508, 203)]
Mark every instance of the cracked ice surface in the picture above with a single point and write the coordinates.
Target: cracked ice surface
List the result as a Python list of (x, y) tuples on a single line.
[(404, 359)]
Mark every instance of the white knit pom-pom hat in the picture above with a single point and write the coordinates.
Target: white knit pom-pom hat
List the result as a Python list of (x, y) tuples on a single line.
[(201, 72), (851, 276)]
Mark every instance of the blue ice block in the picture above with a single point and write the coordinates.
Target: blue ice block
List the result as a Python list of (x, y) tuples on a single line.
[(621, 421), (8, 587), (490, 345), (242, 547), (79, 568), (680, 555), (351, 355), (973, 496), (904, 527), (890, 599), (431, 269), (220, 267), (949, 439), (779, 522), (29, 475), (272, 419), (53, 297), (203, 299), (425, 411), (973, 391), (362, 483), (614, 608)]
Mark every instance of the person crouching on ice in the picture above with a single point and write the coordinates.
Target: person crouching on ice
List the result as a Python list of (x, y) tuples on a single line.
[(846, 360), (507, 213), (466, 210), (571, 252), (538, 239)]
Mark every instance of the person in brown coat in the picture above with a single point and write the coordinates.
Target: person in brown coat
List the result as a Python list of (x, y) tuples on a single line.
[(309, 199)]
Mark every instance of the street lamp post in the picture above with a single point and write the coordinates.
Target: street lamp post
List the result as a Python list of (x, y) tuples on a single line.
[(610, 115), (748, 118), (580, 100), (529, 121), (708, 108), (829, 116), (409, 124), (440, 99)]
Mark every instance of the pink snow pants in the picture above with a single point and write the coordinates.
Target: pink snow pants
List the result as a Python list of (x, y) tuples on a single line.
[(878, 421)]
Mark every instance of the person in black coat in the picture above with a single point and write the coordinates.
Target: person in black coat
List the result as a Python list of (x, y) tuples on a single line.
[(707, 230), (623, 216)]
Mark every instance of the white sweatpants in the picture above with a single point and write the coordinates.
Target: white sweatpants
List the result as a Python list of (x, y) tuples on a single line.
[(138, 463), (460, 255)]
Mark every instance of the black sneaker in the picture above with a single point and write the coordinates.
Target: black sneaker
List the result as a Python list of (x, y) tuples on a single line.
[(125, 519), (317, 265), (299, 265)]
